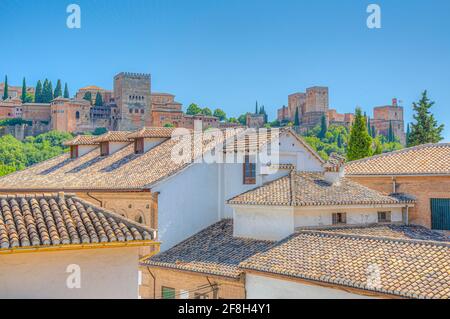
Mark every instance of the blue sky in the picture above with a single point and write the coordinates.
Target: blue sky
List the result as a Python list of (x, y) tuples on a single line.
[(229, 53)]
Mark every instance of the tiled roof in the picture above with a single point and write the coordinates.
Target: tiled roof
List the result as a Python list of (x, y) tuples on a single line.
[(153, 132), (398, 231), (428, 159), (35, 221), (213, 251), (113, 136), (405, 268), (81, 140), (122, 170), (310, 189)]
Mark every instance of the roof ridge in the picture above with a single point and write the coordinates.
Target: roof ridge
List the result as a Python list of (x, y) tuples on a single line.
[(403, 150), (372, 237)]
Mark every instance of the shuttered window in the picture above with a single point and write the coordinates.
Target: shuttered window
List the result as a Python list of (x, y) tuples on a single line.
[(249, 171), (339, 218), (74, 151), (139, 146), (104, 149), (168, 293)]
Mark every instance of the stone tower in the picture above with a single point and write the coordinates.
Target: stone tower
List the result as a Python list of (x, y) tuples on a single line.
[(133, 99), (388, 116), (316, 106)]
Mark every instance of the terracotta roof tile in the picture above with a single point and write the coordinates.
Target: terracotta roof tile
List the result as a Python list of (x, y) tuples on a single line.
[(406, 268), (213, 250), (33, 221), (310, 189), (82, 140), (164, 132), (419, 160), (113, 136)]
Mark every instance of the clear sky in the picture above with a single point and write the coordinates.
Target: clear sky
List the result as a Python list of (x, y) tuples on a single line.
[(229, 53)]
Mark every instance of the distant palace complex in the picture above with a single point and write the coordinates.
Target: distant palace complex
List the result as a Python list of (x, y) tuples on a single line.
[(132, 105), (311, 106)]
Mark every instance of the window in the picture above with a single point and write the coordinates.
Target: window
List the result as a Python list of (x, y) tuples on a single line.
[(339, 218), (139, 219), (131, 111), (104, 149), (77, 115), (136, 111), (167, 293), (249, 171), (384, 217), (201, 296)]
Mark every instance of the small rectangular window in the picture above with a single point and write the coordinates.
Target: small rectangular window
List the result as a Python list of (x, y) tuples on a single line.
[(167, 293), (249, 171), (139, 146), (339, 218), (384, 217), (74, 151)]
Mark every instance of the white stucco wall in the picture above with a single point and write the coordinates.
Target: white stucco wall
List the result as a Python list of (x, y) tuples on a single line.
[(105, 273), (117, 146), (266, 223), (84, 149), (187, 203), (261, 287), (312, 217), (150, 143)]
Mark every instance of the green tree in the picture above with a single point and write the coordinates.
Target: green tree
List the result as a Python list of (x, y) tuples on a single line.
[(220, 114), (100, 131), (391, 136), (169, 125), (66, 91), (24, 91), (256, 108), (47, 92), (426, 128), (193, 109), (360, 142), (323, 127), (378, 147), (98, 99), (88, 96), (5, 92), (206, 111), (408, 132), (243, 119), (296, 119), (58, 89), (38, 93)]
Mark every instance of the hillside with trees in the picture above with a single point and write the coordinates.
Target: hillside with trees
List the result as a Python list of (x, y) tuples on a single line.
[(17, 155)]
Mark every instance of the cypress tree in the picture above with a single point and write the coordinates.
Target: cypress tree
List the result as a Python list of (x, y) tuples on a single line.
[(24, 91), (408, 132), (88, 96), (323, 127), (360, 142), (50, 92), (369, 127), (425, 129), (66, 91), (390, 136), (5, 92), (374, 132), (58, 90), (98, 99), (45, 94), (38, 93), (256, 108), (296, 119)]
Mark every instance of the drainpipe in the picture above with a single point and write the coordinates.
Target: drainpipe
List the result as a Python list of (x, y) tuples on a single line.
[(394, 185), (94, 198), (154, 282)]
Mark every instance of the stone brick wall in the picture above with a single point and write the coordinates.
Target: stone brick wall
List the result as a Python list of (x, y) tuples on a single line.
[(133, 99), (384, 116), (422, 187), (188, 284)]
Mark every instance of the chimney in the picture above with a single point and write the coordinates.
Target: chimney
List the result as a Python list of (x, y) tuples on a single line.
[(334, 169)]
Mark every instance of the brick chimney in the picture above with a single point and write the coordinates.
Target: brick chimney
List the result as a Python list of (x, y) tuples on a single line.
[(334, 169)]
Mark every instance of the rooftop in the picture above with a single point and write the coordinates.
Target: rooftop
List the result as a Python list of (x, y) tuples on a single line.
[(30, 222), (427, 159), (153, 132), (310, 189), (113, 136), (81, 140), (402, 267), (213, 251)]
